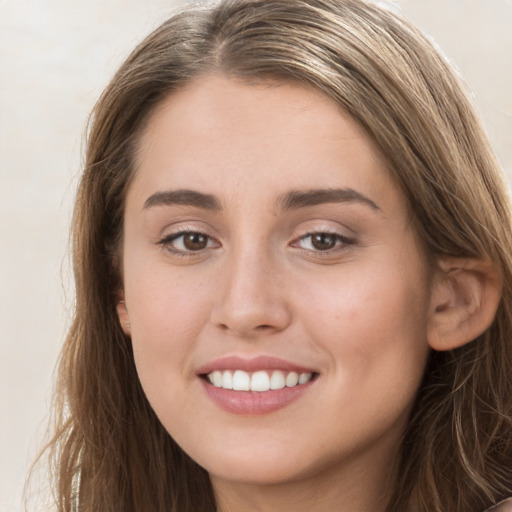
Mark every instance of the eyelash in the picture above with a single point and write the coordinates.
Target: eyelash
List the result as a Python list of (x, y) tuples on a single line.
[(341, 243), (168, 240)]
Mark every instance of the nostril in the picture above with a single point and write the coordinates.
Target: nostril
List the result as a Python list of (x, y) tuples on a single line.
[(247, 333)]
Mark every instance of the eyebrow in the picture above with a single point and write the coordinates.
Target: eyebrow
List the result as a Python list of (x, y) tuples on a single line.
[(185, 198), (292, 200), (301, 199)]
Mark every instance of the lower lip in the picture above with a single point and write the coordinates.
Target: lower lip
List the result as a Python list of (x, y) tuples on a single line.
[(251, 403)]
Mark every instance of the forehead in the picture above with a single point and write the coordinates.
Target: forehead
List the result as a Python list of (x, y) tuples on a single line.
[(217, 134), (215, 104)]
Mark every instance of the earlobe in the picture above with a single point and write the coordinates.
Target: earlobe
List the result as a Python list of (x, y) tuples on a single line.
[(464, 300), (124, 318)]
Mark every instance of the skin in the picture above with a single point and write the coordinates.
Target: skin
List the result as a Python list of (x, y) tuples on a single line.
[(358, 314)]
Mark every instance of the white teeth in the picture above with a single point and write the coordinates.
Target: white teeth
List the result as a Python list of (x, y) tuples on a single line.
[(227, 380), (292, 379), (305, 377), (277, 380), (241, 381), (262, 380), (217, 378)]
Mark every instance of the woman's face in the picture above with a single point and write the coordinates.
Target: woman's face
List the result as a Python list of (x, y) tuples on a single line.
[(265, 243)]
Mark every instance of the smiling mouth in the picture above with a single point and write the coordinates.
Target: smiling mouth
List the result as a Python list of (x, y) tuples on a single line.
[(259, 381)]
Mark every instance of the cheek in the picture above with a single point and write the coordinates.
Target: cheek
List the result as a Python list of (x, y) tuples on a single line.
[(373, 327), (166, 316), (377, 300)]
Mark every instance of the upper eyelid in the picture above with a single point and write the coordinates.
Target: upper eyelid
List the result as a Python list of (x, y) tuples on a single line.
[(180, 228), (329, 231), (337, 232), (322, 224), (309, 232), (176, 229), (177, 234)]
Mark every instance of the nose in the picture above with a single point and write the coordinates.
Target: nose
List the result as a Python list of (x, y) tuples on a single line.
[(251, 300)]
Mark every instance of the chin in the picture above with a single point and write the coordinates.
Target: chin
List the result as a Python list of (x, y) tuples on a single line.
[(263, 472)]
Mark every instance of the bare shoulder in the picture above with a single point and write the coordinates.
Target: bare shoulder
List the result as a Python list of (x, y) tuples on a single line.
[(504, 506)]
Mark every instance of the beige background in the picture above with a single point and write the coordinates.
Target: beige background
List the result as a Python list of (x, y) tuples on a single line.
[(55, 57)]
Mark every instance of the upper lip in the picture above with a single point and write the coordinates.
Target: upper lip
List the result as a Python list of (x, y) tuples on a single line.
[(252, 365)]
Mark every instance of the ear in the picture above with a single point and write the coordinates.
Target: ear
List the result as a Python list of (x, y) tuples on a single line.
[(122, 313), (465, 297)]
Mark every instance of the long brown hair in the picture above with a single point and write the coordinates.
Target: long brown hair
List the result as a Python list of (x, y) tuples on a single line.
[(457, 451)]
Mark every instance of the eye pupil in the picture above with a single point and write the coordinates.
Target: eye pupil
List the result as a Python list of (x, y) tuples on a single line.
[(195, 241), (323, 241)]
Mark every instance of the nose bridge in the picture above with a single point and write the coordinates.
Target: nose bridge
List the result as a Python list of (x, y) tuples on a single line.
[(251, 297)]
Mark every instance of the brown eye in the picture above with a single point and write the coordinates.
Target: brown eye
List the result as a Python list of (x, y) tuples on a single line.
[(195, 241), (323, 241), (187, 242)]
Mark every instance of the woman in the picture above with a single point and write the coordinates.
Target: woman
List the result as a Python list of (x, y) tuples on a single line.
[(292, 259)]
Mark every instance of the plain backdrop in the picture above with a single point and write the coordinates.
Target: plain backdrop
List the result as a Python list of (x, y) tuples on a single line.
[(55, 58)]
